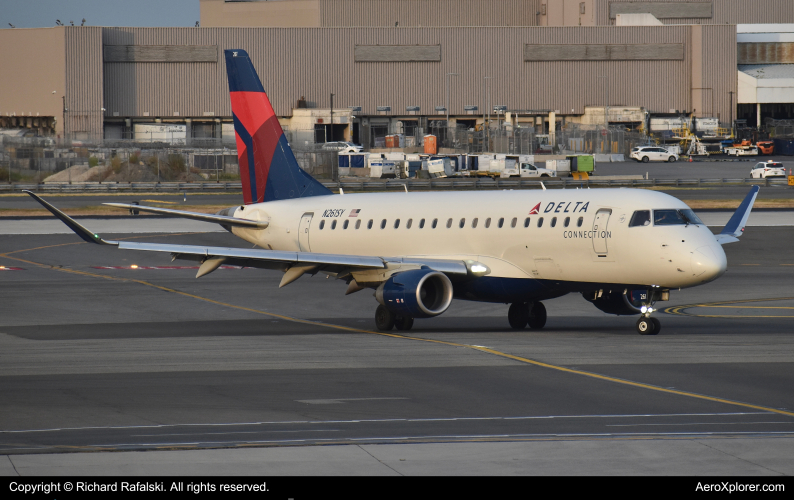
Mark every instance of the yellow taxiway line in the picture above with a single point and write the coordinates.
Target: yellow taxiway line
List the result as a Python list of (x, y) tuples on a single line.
[(487, 350)]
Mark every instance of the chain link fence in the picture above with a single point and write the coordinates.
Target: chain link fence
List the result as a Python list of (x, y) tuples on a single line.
[(37, 160)]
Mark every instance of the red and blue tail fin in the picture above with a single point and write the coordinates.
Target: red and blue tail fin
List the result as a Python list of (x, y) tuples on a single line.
[(268, 168)]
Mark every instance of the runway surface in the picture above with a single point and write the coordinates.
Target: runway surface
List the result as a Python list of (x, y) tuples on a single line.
[(231, 375)]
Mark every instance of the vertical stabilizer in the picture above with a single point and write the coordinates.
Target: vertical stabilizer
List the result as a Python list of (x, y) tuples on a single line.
[(268, 169)]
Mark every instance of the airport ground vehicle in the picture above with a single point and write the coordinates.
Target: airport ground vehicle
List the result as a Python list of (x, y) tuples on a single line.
[(652, 153), (766, 147), (745, 148), (342, 147), (618, 248), (768, 170), (527, 170)]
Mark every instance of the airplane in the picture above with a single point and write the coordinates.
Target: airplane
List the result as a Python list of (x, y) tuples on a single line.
[(621, 249)]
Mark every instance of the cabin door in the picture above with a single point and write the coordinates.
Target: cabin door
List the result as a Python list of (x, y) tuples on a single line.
[(601, 232), (303, 232)]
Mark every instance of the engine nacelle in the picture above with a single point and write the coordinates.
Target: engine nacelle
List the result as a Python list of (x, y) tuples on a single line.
[(621, 302), (419, 293)]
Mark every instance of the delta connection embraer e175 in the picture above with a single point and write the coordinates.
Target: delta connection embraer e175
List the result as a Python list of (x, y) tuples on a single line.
[(622, 249)]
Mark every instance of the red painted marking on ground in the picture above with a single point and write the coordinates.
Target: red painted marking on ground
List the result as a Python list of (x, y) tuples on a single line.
[(159, 267)]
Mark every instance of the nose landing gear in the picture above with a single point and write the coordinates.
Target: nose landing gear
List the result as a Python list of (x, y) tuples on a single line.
[(647, 325)]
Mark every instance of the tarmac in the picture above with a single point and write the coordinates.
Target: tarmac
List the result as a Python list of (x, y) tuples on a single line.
[(110, 370)]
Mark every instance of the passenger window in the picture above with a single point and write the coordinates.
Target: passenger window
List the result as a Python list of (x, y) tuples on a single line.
[(358, 223), (567, 221), (344, 226), (526, 222), (383, 224), (487, 223), (421, 224), (333, 225), (501, 222), (640, 218), (540, 222), (408, 224), (579, 222), (514, 222), (449, 223), (435, 223), (322, 224), (369, 224), (462, 223), (553, 221), (396, 223), (474, 222)]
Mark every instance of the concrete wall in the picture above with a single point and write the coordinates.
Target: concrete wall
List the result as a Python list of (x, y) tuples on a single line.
[(33, 65), (333, 13)]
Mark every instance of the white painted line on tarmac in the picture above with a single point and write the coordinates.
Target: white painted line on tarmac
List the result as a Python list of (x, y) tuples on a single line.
[(293, 422)]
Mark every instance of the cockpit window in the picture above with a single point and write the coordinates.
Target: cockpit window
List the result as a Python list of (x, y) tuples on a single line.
[(672, 217), (640, 218)]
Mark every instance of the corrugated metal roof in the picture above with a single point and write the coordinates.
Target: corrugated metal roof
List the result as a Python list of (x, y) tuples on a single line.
[(768, 71)]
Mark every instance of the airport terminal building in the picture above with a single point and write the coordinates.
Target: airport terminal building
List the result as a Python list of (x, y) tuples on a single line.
[(357, 70)]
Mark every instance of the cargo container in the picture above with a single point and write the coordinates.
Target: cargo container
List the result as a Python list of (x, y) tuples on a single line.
[(157, 132), (561, 167), (582, 163), (784, 146), (380, 167)]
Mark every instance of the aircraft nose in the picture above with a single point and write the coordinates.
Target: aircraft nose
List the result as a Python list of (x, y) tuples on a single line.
[(709, 262)]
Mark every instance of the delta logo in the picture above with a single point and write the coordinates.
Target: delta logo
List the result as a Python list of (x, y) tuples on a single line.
[(561, 207)]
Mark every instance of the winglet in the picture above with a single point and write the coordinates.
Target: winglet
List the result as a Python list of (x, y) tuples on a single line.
[(735, 226), (81, 231)]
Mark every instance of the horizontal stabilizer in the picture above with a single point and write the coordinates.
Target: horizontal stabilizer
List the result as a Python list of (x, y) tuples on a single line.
[(218, 219)]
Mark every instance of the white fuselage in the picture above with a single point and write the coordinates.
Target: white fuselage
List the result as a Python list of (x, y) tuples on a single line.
[(585, 234)]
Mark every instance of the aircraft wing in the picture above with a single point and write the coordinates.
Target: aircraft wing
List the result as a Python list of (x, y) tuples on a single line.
[(294, 264), (735, 226)]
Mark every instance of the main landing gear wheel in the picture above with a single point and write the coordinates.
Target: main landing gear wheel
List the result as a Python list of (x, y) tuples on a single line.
[(648, 326), (537, 316), (384, 319), (403, 323), (518, 315)]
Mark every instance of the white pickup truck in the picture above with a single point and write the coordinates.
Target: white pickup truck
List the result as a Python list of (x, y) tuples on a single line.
[(527, 170)]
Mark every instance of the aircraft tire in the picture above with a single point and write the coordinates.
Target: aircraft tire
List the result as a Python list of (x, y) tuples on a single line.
[(518, 315), (384, 319), (537, 316), (657, 326), (403, 323), (646, 326)]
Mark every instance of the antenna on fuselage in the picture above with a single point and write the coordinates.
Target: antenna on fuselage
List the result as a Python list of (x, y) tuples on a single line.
[(543, 186), (341, 191)]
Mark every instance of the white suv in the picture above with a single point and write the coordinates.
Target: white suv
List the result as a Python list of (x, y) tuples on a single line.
[(767, 169), (652, 153)]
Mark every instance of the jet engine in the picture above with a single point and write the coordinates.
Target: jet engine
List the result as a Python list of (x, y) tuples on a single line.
[(621, 302), (418, 293)]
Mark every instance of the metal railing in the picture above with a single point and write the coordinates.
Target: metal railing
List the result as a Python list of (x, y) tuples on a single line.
[(353, 185)]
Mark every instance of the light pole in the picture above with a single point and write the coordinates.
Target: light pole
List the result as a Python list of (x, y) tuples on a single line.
[(488, 110), (332, 119), (446, 97)]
